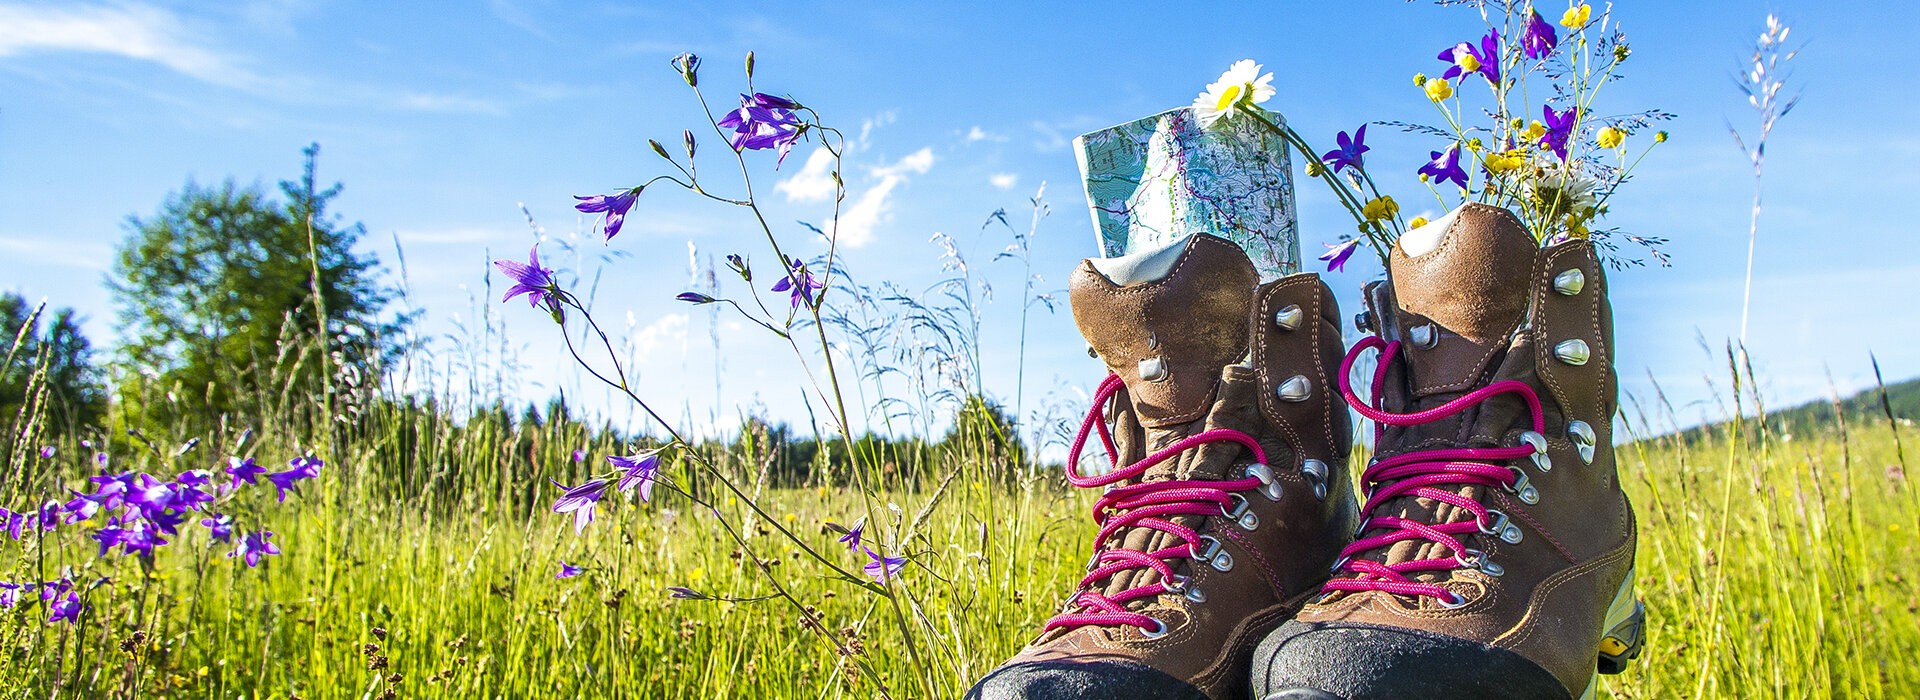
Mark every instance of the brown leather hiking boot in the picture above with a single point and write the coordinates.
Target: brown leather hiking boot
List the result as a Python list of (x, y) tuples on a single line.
[(1495, 555), (1228, 496)]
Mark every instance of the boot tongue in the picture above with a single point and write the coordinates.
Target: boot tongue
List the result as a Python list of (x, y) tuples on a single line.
[(1461, 286), (1459, 291), (1166, 321)]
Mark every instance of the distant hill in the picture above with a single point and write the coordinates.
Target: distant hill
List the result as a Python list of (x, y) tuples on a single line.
[(1864, 407)]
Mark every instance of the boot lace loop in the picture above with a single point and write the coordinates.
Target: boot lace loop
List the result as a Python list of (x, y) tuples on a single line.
[(1420, 474), (1148, 505)]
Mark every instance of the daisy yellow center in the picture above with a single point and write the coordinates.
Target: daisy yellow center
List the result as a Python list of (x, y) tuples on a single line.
[(1228, 97)]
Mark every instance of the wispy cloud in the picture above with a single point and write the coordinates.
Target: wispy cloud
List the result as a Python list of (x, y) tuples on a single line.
[(455, 104), (136, 31), (978, 134), (814, 182), (1004, 181), (667, 331), (871, 209), (60, 253)]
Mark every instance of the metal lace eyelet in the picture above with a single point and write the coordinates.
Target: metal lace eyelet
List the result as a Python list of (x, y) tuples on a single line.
[(1268, 487), (1539, 444), (1523, 487), (1159, 629), (1480, 562), (1214, 555), (1458, 600), (1583, 438), (1316, 473), (1241, 513), (1502, 527), (1194, 594)]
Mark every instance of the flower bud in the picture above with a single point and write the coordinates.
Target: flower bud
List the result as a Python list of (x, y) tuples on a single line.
[(739, 266), (657, 148), (689, 67), (1660, 137), (1420, 79), (1315, 169), (749, 65), (694, 298), (687, 134), (1621, 52)]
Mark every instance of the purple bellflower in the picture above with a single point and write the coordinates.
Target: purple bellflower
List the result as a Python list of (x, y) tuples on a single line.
[(579, 456), (1348, 154), (219, 527), (804, 290), (82, 507), (15, 523), (66, 609), (614, 205), (1539, 38), (642, 470), (762, 122), (580, 501), (243, 470), (303, 468), (1336, 255), (1487, 55), (1445, 166), (9, 594), (46, 451), (1559, 129), (852, 538), (568, 571), (882, 568), (531, 279), (254, 546)]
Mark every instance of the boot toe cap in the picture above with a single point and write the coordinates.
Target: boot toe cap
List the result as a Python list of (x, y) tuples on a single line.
[(1103, 679), (1357, 661)]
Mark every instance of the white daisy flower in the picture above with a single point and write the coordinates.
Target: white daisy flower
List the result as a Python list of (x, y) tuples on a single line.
[(1241, 84)]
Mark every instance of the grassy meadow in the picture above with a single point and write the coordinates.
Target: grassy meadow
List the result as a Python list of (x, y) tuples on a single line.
[(1776, 560)]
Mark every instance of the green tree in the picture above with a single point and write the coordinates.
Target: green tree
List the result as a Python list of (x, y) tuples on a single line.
[(217, 300), (74, 396)]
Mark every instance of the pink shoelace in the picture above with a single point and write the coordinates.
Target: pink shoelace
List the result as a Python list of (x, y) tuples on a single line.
[(1142, 505), (1417, 474)]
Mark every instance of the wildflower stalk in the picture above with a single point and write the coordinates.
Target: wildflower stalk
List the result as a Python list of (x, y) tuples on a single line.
[(1762, 84), (1377, 235)]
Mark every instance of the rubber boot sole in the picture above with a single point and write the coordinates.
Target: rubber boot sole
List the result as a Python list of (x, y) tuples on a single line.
[(1626, 633)]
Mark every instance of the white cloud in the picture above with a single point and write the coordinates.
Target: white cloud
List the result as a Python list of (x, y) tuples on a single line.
[(667, 331), (133, 31), (84, 256), (978, 134), (870, 210), (433, 102), (1004, 181), (814, 182)]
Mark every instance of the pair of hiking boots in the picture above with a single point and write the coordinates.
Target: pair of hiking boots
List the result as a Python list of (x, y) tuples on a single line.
[(1490, 551)]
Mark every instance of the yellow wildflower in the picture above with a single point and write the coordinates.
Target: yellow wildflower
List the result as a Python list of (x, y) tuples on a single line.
[(1576, 226), (1438, 89), (1380, 208), (791, 517), (1577, 17), (820, 491), (696, 573), (1500, 162), (1467, 62), (1610, 137), (1420, 79), (1417, 222), (1534, 132), (1660, 137)]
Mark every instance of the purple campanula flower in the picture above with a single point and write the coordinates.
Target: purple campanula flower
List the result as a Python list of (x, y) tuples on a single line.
[(568, 571), (614, 205), (9, 594), (642, 470), (764, 121), (694, 298), (112, 489), (100, 459), (109, 537), (882, 568), (66, 609), (1559, 129), (1445, 166), (48, 517), (153, 496), (1348, 154), (579, 456), (1487, 56), (142, 537), (82, 507), (580, 501), (1336, 255), (852, 538), (254, 546), (304, 467), (1539, 38), (804, 290), (243, 470), (531, 279), (684, 593), (167, 521), (16, 523), (46, 451), (194, 477), (219, 527)]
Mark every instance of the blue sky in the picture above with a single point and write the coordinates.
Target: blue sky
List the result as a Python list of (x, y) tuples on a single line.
[(441, 119)]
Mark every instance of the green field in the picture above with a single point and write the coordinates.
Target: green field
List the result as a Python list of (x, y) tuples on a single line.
[(1776, 560)]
